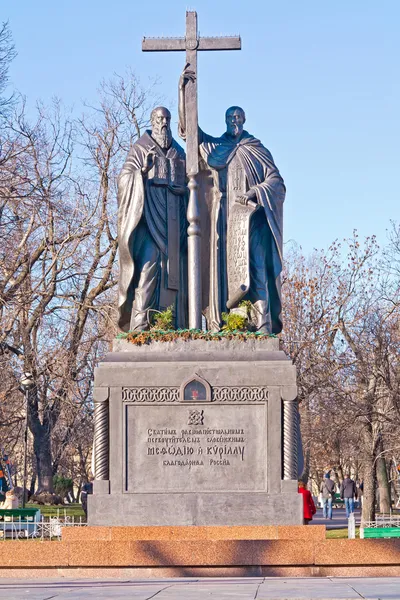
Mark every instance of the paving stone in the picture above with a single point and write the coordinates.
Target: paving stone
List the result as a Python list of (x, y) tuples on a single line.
[(200, 589), (305, 589)]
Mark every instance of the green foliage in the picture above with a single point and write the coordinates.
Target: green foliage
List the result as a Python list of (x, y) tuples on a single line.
[(139, 338), (340, 534), (62, 485), (70, 510), (247, 305), (234, 322), (163, 320), (236, 326), (238, 321)]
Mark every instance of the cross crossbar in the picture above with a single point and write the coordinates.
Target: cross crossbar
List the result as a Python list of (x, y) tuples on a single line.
[(163, 44), (203, 43), (220, 43)]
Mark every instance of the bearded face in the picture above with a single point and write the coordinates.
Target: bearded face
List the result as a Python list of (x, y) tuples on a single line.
[(160, 127), (235, 120)]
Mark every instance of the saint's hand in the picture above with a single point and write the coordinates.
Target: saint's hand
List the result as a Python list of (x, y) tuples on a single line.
[(148, 162), (242, 200), (187, 75), (248, 196)]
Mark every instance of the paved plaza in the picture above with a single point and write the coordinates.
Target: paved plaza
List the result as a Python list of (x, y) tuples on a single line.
[(339, 519), (198, 589)]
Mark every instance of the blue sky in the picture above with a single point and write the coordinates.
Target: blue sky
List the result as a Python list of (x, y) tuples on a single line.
[(319, 81)]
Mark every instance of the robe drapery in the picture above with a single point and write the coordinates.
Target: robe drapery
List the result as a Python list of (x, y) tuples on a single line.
[(152, 222), (226, 157)]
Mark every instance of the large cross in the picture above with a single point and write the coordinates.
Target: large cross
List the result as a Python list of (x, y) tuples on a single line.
[(192, 43)]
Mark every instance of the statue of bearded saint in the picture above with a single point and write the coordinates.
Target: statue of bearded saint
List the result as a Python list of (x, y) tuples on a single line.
[(152, 201), (241, 195)]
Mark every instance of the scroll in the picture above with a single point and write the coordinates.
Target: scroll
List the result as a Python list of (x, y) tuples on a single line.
[(238, 252)]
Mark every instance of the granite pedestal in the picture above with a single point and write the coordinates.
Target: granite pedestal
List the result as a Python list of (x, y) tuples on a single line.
[(196, 433)]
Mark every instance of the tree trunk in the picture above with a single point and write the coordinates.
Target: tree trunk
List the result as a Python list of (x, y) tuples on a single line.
[(33, 483), (339, 473), (42, 449), (368, 509), (383, 482)]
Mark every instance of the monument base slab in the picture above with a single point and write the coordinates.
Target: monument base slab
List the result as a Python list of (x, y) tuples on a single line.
[(169, 552), (196, 509)]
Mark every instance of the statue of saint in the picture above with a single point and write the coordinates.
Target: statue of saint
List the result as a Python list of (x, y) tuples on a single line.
[(152, 200), (243, 193)]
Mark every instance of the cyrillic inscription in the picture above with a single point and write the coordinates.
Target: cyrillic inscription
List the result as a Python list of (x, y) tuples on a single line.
[(175, 456), (238, 252)]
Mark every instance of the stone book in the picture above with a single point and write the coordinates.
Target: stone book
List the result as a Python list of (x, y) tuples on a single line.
[(167, 171)]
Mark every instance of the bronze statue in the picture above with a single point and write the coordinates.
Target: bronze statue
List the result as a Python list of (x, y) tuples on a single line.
[(152, 199), (191, 44), (245, 203)]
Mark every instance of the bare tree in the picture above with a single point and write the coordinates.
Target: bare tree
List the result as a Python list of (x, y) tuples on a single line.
[(339, 330), (57, 258), (7, 55)]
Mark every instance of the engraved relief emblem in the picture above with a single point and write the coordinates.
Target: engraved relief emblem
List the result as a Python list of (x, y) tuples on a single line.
[(238, 178), (196, 417)]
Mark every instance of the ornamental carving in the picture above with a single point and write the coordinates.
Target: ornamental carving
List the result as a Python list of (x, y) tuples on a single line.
[(240, 394), (150, 394), (161, 395), (196, 417)]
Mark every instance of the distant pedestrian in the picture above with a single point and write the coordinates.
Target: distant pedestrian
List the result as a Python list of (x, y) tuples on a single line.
[(327, 491), (348, 492), (308, 503), (360, 493), (87, 489)]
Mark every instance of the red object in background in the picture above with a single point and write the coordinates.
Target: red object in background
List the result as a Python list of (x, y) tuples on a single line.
[(308, 504), (195, 394)]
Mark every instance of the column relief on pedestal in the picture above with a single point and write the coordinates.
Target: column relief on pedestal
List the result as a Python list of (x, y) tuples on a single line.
[(290, 432), (101, 444)]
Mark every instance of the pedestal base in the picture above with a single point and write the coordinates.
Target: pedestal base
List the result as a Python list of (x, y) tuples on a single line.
[(197, 435), (196, 509)]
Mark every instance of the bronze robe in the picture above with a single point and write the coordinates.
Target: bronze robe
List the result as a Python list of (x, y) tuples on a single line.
[(245, 164), (152, 232)]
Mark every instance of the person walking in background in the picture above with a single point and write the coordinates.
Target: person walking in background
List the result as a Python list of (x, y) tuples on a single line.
[(87, 489), (308, 503), (360, 493), (327, 490), (348, 491)]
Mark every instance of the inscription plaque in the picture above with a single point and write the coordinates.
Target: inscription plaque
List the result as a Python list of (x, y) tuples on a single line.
[(224, 451)]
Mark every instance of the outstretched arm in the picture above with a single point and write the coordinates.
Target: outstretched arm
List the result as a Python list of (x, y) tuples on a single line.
[(186, 76)]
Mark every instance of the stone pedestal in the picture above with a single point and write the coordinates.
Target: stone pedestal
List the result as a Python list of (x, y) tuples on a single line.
[(196, 433)]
